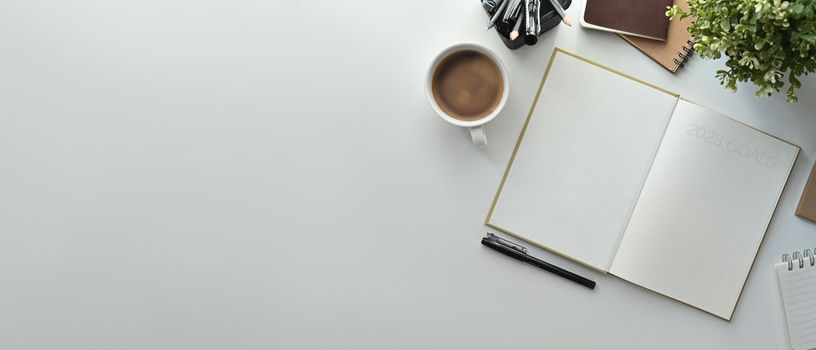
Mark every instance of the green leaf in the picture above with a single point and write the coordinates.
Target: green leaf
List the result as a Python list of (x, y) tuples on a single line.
[(762, 41), (725, 24)]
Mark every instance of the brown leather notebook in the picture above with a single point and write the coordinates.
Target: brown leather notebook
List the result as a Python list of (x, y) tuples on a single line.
[(672, 53), (807, 204), (644, 18)]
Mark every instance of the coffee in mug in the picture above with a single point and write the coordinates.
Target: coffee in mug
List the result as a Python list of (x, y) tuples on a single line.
[(467, 86)]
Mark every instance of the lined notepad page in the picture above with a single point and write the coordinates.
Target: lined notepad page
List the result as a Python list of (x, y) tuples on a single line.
[(798, 288)]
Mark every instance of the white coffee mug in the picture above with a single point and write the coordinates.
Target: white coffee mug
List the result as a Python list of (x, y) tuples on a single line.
[(477, 130)]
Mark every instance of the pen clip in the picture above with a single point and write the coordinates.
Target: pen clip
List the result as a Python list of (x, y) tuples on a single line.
[(506, 243)]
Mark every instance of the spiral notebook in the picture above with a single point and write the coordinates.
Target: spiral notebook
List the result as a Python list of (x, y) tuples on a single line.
[(797, 284), (673, 53), (630, 179)]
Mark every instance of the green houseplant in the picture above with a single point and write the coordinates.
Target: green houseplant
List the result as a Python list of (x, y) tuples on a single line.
[(764, 40)]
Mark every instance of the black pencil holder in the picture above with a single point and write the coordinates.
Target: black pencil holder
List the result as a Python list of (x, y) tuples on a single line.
[(549, 19)]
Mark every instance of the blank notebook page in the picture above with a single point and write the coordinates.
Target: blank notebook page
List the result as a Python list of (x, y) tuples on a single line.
[(587, 148), (709, 197), (798, 288)]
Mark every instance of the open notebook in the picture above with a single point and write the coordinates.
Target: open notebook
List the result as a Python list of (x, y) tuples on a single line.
[(630, 179)]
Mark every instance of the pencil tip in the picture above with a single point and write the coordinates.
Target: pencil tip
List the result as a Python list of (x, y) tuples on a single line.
[(513, 35), (567, 20)]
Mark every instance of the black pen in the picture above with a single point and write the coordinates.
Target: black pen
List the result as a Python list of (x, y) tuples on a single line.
[(518, 252)]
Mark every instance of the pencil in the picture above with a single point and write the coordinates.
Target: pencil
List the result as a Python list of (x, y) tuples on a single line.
[(564, 18)]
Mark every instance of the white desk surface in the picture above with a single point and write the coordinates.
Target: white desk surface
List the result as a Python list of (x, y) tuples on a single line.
[(183, 174)]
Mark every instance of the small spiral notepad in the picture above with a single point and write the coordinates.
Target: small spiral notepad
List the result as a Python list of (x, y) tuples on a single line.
[(673, 53), (797, 283)]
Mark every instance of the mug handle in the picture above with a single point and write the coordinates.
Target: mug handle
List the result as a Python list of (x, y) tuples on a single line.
[(478, 135)]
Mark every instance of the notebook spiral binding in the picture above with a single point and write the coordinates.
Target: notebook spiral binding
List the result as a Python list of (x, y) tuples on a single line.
[(688, 50), (799, 258)]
